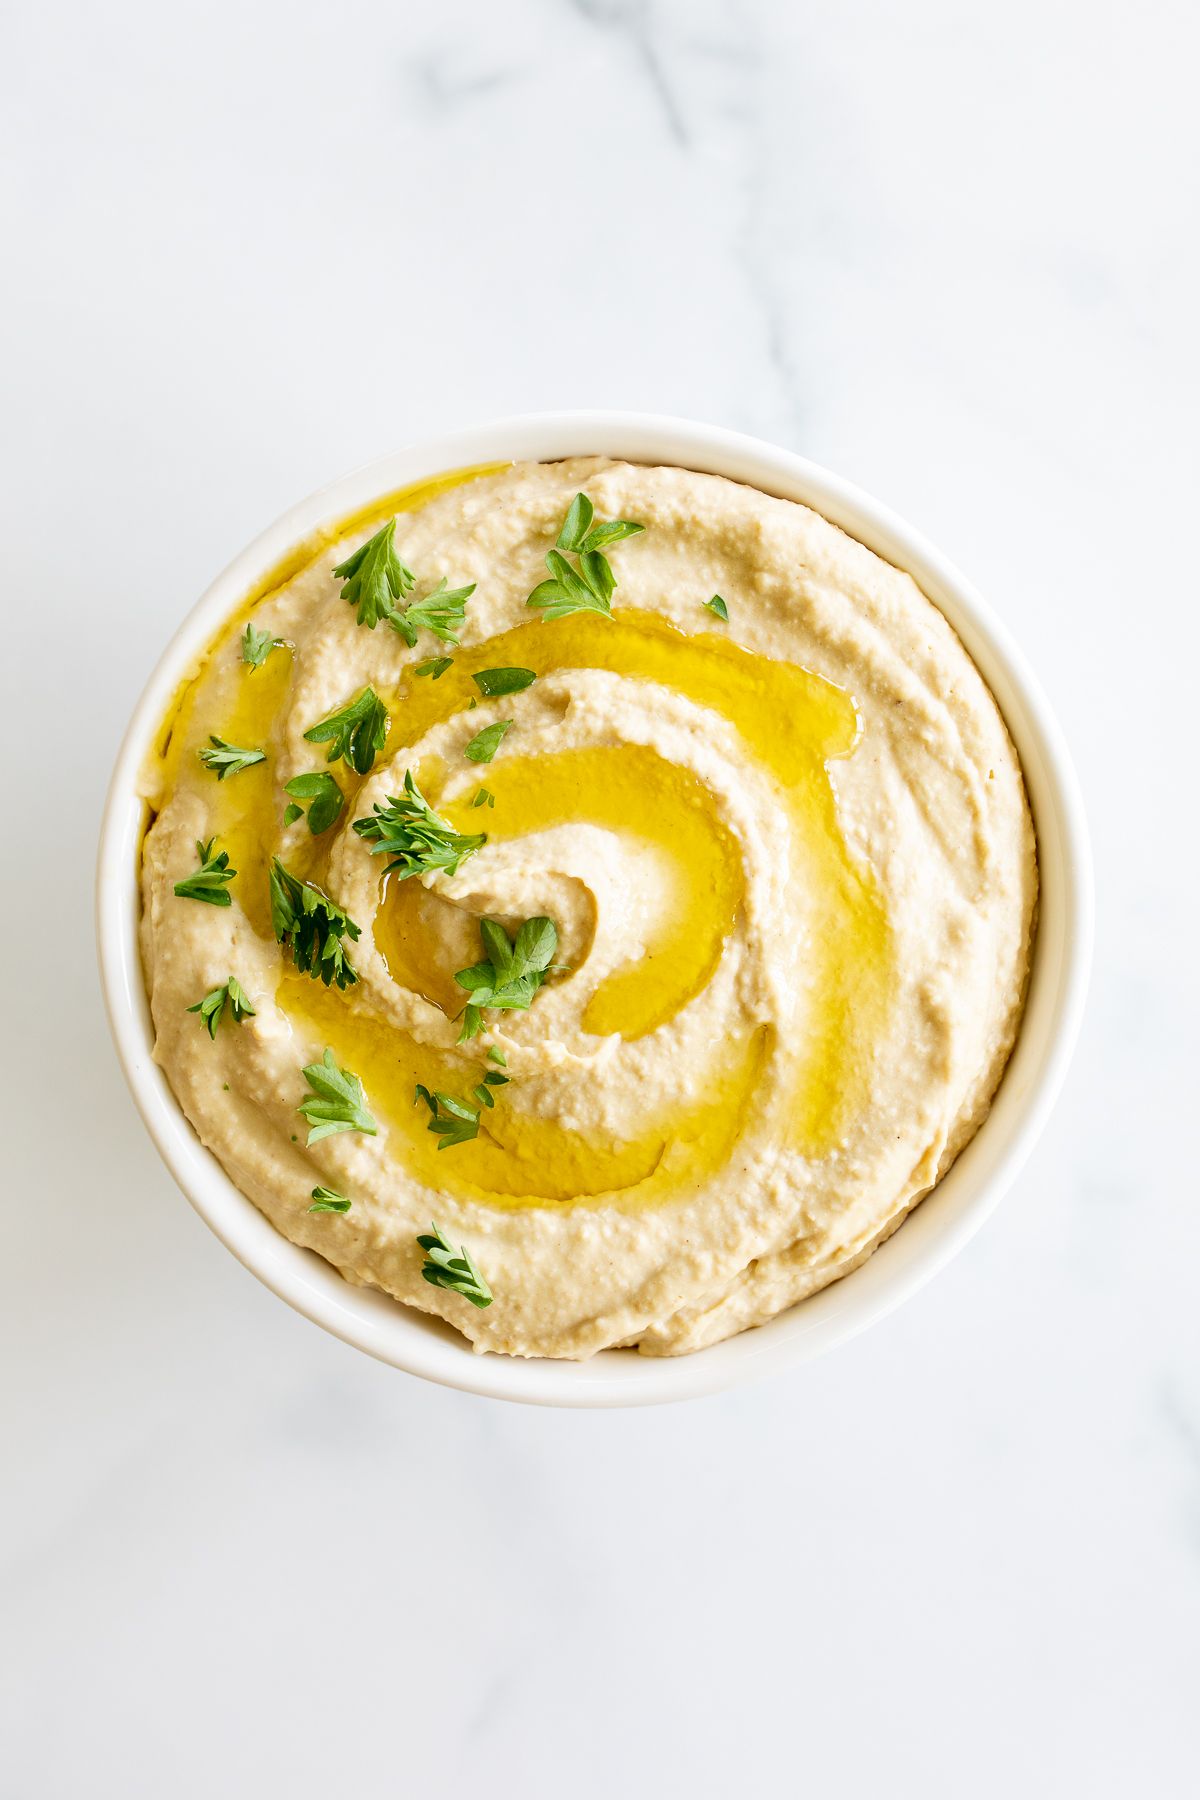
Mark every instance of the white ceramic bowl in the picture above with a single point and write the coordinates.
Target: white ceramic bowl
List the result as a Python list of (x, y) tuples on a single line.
[(939, 1227)]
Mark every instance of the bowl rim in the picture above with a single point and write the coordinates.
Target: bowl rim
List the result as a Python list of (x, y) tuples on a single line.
[(945, 1220)]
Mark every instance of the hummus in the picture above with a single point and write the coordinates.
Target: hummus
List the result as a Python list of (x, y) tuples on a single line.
[(788, 857)]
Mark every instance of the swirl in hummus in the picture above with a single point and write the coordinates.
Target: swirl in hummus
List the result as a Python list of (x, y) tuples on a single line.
[(788, 857)]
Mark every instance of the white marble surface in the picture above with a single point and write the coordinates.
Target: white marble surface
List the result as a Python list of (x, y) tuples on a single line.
[(949, 250)]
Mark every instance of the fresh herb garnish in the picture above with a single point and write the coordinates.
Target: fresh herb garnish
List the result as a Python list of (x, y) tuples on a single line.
[(312, 927), (375, 578), (208, 883), (496, 1055), (453, 1269), (229, 759), (484, 745), (453, 1121), (214, 1002), (337, 1102), (718, 608), (436, 666), (257, 646), (493, 682), (589, 587), (581, 537), (409, 831), (442, 611), (326, 1199), (483, 1093), (356, 731), (512, 973), (568, 592), (324, 793), (484, 797)]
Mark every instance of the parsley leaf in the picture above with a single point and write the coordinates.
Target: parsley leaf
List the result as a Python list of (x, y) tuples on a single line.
[(325, 795), (208, 883), (375, 578), (579, 535), (311, 926), (588, 588), (512, 973), (228, 759), (718, 608), (484, 797), (453, 1269), (409, 831), (483, 1093), (568, 593), (436, 666), (574, 527), (326, 1199), (497, 1056), (484, 745), (212, 1007), (357, 731), (493, 682), (337, 1102), (449, 1119), (257, 646), (442, 611)]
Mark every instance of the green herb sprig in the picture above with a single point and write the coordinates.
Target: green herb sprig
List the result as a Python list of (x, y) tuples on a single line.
[(718, 608), (328, 1200), (484, 745), (337, 1102), (209, 881), (357, 731), (374, 578), (589, 586), (212, 1007), (494, 682), (511, 974), (327, 800), (419, 841), (257, 646), (229, 759), (451, 1120), (310, 925), (453, 1269), (442, 612), (483, 1093)]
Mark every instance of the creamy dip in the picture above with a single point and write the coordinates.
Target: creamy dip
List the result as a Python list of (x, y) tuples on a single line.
[(788, 857)]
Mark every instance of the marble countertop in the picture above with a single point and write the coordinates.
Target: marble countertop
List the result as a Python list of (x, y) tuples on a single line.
[(949, 251)]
